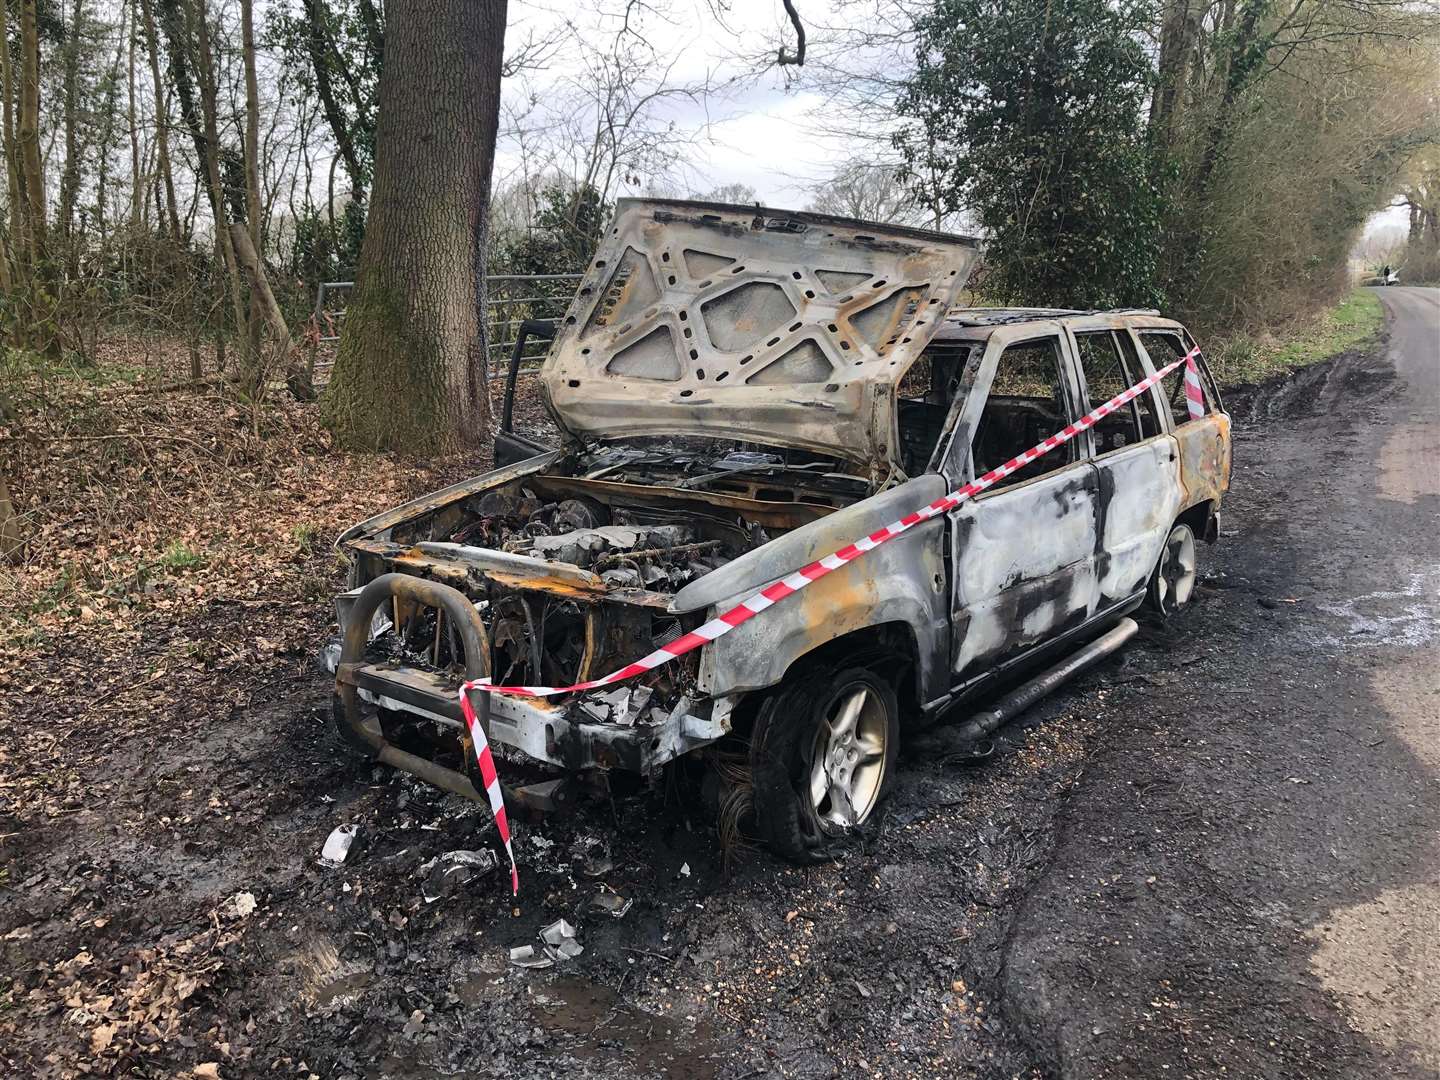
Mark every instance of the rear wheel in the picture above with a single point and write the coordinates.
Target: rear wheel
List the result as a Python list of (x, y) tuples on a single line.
[(822, 756), (1174, 578)]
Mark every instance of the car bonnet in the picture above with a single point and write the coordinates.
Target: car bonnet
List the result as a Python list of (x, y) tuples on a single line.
[(777, 327)]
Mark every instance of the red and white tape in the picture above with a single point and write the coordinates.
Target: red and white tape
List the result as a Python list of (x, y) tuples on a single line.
[(1194, 393), (753, 605)]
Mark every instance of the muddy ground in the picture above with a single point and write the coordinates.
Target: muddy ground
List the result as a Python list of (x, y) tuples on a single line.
[(1214, 856)]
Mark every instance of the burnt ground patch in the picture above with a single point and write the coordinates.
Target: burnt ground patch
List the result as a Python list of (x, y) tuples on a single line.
[(1128, 889)]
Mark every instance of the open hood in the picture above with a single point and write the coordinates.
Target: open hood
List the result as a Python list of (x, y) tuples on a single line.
[(784, 328)]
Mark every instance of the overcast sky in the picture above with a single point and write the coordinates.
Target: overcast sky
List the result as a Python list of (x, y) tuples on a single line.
[(757, 132), (764, 130)]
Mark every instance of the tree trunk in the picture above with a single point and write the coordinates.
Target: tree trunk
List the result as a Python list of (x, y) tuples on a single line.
[(322, 60), (19, 247), (70, 175), (137, 185), (32, 172), (252, 188), (10, 539), (208, 142), (1177, 45), (107, 135), (410, 370), (264, 296), (162, 122)]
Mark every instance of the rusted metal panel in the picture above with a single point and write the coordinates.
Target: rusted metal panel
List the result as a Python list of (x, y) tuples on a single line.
[(1204, 458), (783, 328)]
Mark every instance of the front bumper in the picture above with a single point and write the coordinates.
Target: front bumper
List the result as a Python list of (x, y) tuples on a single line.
[(564, 734)]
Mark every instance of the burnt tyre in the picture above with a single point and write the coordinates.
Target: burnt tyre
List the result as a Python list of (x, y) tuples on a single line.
[(822, 756), (1173, 581)]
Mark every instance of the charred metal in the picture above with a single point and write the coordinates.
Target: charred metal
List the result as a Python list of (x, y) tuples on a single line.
[(740, 393)]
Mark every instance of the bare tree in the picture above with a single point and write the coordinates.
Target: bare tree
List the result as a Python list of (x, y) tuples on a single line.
[(869, 192)]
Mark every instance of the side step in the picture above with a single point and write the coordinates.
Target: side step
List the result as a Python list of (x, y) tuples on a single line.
[(962, 737)]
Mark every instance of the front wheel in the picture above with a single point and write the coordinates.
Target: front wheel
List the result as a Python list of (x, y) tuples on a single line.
[(1174, 578), (822, 756)]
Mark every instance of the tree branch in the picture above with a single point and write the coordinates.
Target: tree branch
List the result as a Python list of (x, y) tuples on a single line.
[(797, 58)]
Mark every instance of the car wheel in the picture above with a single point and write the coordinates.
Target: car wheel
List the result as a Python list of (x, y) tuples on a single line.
[(1174, 577), (822, 756)]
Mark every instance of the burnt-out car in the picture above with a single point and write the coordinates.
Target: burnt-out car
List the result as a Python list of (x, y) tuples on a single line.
[(739, 392)]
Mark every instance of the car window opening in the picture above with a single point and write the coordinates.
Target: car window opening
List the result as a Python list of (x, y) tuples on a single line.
[(1163, 349), (1109, 370), (1026, 404), (924, 398)]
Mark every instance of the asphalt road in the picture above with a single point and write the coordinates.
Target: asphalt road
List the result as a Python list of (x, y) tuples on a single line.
[(1248, 880)]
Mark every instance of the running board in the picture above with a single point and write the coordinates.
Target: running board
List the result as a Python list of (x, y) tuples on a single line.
[(1023, 697)]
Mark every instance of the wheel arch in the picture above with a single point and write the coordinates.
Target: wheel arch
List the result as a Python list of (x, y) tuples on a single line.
[(1203, 519), (890, 649)]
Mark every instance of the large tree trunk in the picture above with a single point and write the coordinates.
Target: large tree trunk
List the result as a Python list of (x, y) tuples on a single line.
[(410, 372)]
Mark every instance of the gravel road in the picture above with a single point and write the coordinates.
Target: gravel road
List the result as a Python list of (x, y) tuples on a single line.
[(1216, 855)]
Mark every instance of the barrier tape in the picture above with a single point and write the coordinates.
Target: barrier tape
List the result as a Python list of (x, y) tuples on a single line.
[(753, 605)]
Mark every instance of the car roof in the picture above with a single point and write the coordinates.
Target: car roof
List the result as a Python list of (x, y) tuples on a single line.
[(998, 316), (976, 323)]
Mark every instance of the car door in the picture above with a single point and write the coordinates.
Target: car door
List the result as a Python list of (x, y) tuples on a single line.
[(1204, 442), (1136, 465), (1022, 553)]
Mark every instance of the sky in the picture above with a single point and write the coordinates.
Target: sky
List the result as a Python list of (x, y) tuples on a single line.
[(758, 131), (769, 129)]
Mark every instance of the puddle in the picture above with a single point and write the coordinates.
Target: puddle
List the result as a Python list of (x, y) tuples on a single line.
[(343, 990), (606, 1030)]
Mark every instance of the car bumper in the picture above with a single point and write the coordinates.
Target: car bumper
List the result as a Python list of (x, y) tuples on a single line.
[(567, 734)]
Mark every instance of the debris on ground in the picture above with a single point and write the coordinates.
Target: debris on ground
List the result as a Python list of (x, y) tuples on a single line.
[(560, 936), (609, 903), (445, 873), (526, 956), (338, 844)]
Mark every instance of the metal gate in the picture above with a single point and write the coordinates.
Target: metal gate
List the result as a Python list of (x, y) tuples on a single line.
[(510, 299)]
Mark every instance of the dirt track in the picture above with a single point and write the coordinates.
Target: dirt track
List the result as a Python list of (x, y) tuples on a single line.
[(1215, 856)]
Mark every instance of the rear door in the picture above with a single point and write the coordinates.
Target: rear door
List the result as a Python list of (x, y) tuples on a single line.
[(1204, 442), (1023, 552), (1136, 466)]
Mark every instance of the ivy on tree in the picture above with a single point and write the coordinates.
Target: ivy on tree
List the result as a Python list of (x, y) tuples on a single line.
[(1028, 115)]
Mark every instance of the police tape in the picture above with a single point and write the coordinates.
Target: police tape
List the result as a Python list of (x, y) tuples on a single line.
[(753, 605)]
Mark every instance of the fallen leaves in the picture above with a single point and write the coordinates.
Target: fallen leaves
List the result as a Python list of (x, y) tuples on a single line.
[(176, 571)]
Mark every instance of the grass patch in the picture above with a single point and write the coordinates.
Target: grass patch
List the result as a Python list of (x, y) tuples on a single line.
[(179, 557), (1244, 359)]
